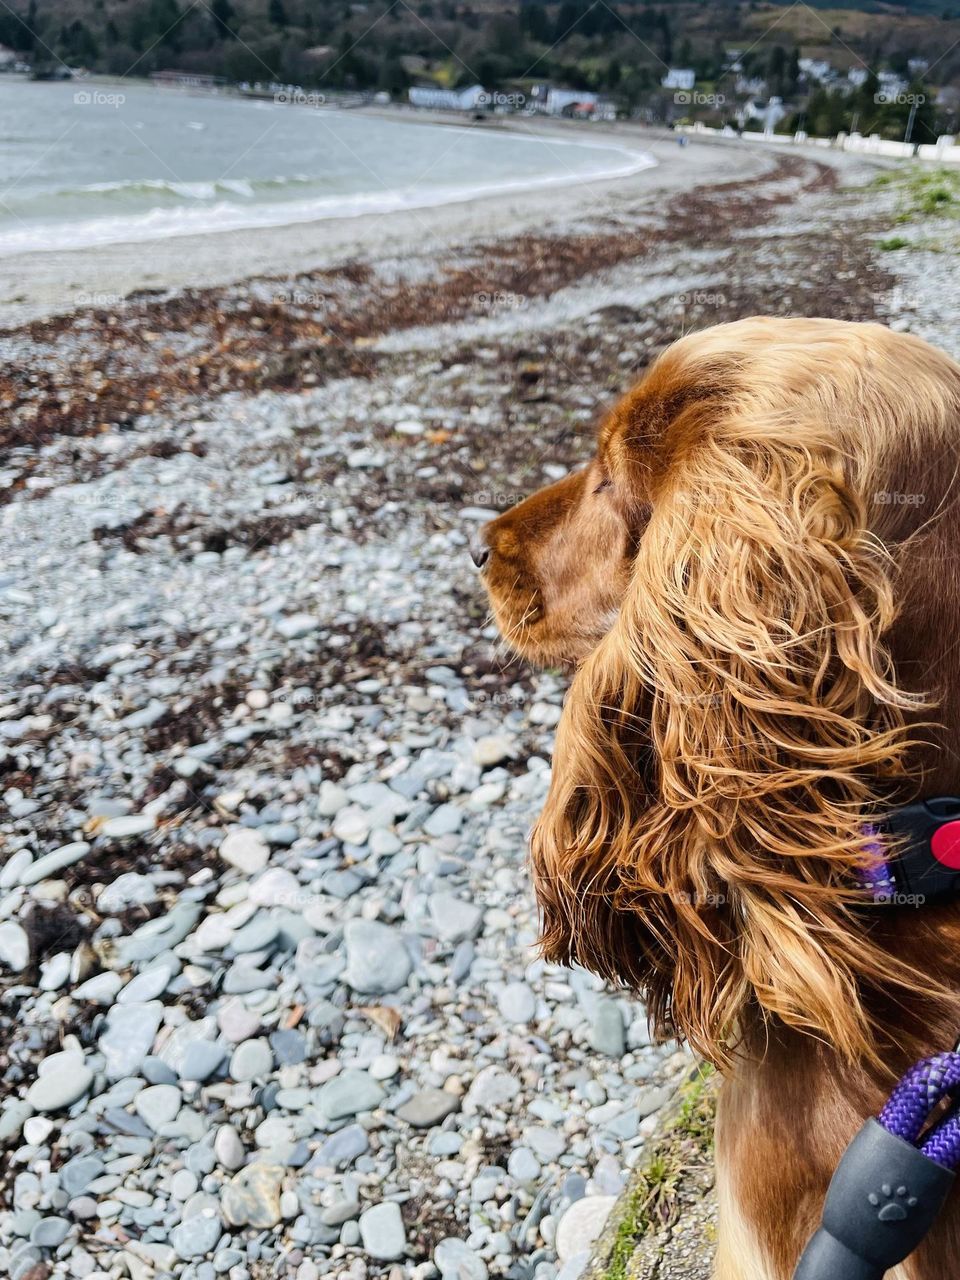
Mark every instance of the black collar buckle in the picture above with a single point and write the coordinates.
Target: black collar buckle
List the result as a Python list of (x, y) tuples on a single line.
[(925, 859)]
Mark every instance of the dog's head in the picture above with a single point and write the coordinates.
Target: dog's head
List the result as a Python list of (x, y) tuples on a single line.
[(723, 575)]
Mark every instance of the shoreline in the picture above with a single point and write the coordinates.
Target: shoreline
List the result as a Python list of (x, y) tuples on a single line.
[(105, 232), (40, 284)]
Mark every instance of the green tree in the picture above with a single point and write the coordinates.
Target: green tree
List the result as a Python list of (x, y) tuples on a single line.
[(535, 22), (392, 78), (568, 15), (222, 13), (156, 25), (77, 44), (277, 13)]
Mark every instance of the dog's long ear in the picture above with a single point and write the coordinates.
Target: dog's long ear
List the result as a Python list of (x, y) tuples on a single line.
[(721, 748)]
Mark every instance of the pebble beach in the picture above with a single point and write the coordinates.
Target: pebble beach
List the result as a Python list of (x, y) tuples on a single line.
[(270, 1001)]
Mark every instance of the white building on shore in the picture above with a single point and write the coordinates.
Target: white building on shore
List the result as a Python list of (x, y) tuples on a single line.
[(679, 78), (435, 99)]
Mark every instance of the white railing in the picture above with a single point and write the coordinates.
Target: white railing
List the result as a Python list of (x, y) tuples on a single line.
[(944, 151)]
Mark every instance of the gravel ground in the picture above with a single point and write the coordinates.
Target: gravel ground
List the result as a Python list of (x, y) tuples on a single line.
[(269, 1001)]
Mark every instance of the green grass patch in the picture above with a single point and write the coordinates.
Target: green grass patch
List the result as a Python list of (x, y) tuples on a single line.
[(893, 242), (924, 193), (687, 1139)]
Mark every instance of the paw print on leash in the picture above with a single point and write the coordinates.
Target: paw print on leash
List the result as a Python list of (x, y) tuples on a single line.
[(892, 1206)]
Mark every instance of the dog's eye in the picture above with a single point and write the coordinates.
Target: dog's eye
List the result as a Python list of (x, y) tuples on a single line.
[(606, 483)]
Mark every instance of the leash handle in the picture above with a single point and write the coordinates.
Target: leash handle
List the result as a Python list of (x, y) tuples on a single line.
[(887, 1191), (882, 1201)]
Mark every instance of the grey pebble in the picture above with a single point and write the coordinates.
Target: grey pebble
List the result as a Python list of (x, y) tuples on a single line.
[(60, 1087), (197, 1236), (251, 1060), (158, 1104), (201, 1059), (228, 1148), (377, 958), (517, 1003), (155, 1071), (343, 1147), (428, 1107), (607, 1034), (128, 1037), (382, 1232), (349, 1093), (289, 1047), (50, 863), (50, 1233), (455, 1260)]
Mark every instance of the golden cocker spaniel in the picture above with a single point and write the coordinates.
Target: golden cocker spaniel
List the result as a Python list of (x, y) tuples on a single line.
[(757, 580)]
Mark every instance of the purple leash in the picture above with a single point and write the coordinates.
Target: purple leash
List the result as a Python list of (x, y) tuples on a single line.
[(908, 1108), (895, 1176)]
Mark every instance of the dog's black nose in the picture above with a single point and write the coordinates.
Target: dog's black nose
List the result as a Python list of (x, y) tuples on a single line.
[(479, 551)]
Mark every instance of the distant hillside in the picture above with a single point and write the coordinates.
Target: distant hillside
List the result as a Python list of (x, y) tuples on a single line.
[(621, 48)]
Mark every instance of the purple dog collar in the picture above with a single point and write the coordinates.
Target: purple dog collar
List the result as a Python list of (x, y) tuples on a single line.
[(877, 877)]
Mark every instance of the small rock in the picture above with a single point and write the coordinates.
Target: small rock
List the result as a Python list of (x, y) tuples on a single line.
[(128, 890), (201, 1058), (351, 825), (127, 826), (349, 1093), (428, 1107), (546, 713), (492, 1089), (128, 1037), (50, 863), (158, 1104), (382, 1232), (83, 1208), (297, 625), (228, 1148), (289, 1046), (147, 985), (581, 1224), (196, 1236), (384, 1066), (245, 849), (651, 1099), (14, 946), (50, 1233), (517, 1003), (606, 1029), (259, 934), (523, 1165), (444, 821), (331, 799), (377, 959), (60, 1087), (343, 1147), (277, 887), (183, 1184), (493, 749), (237, 1022), (455, 1260), (252, 1197), (454, 920), (101, 989), (251, 1060)]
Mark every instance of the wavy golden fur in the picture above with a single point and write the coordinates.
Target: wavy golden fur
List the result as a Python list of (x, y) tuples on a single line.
[(757, 581)]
